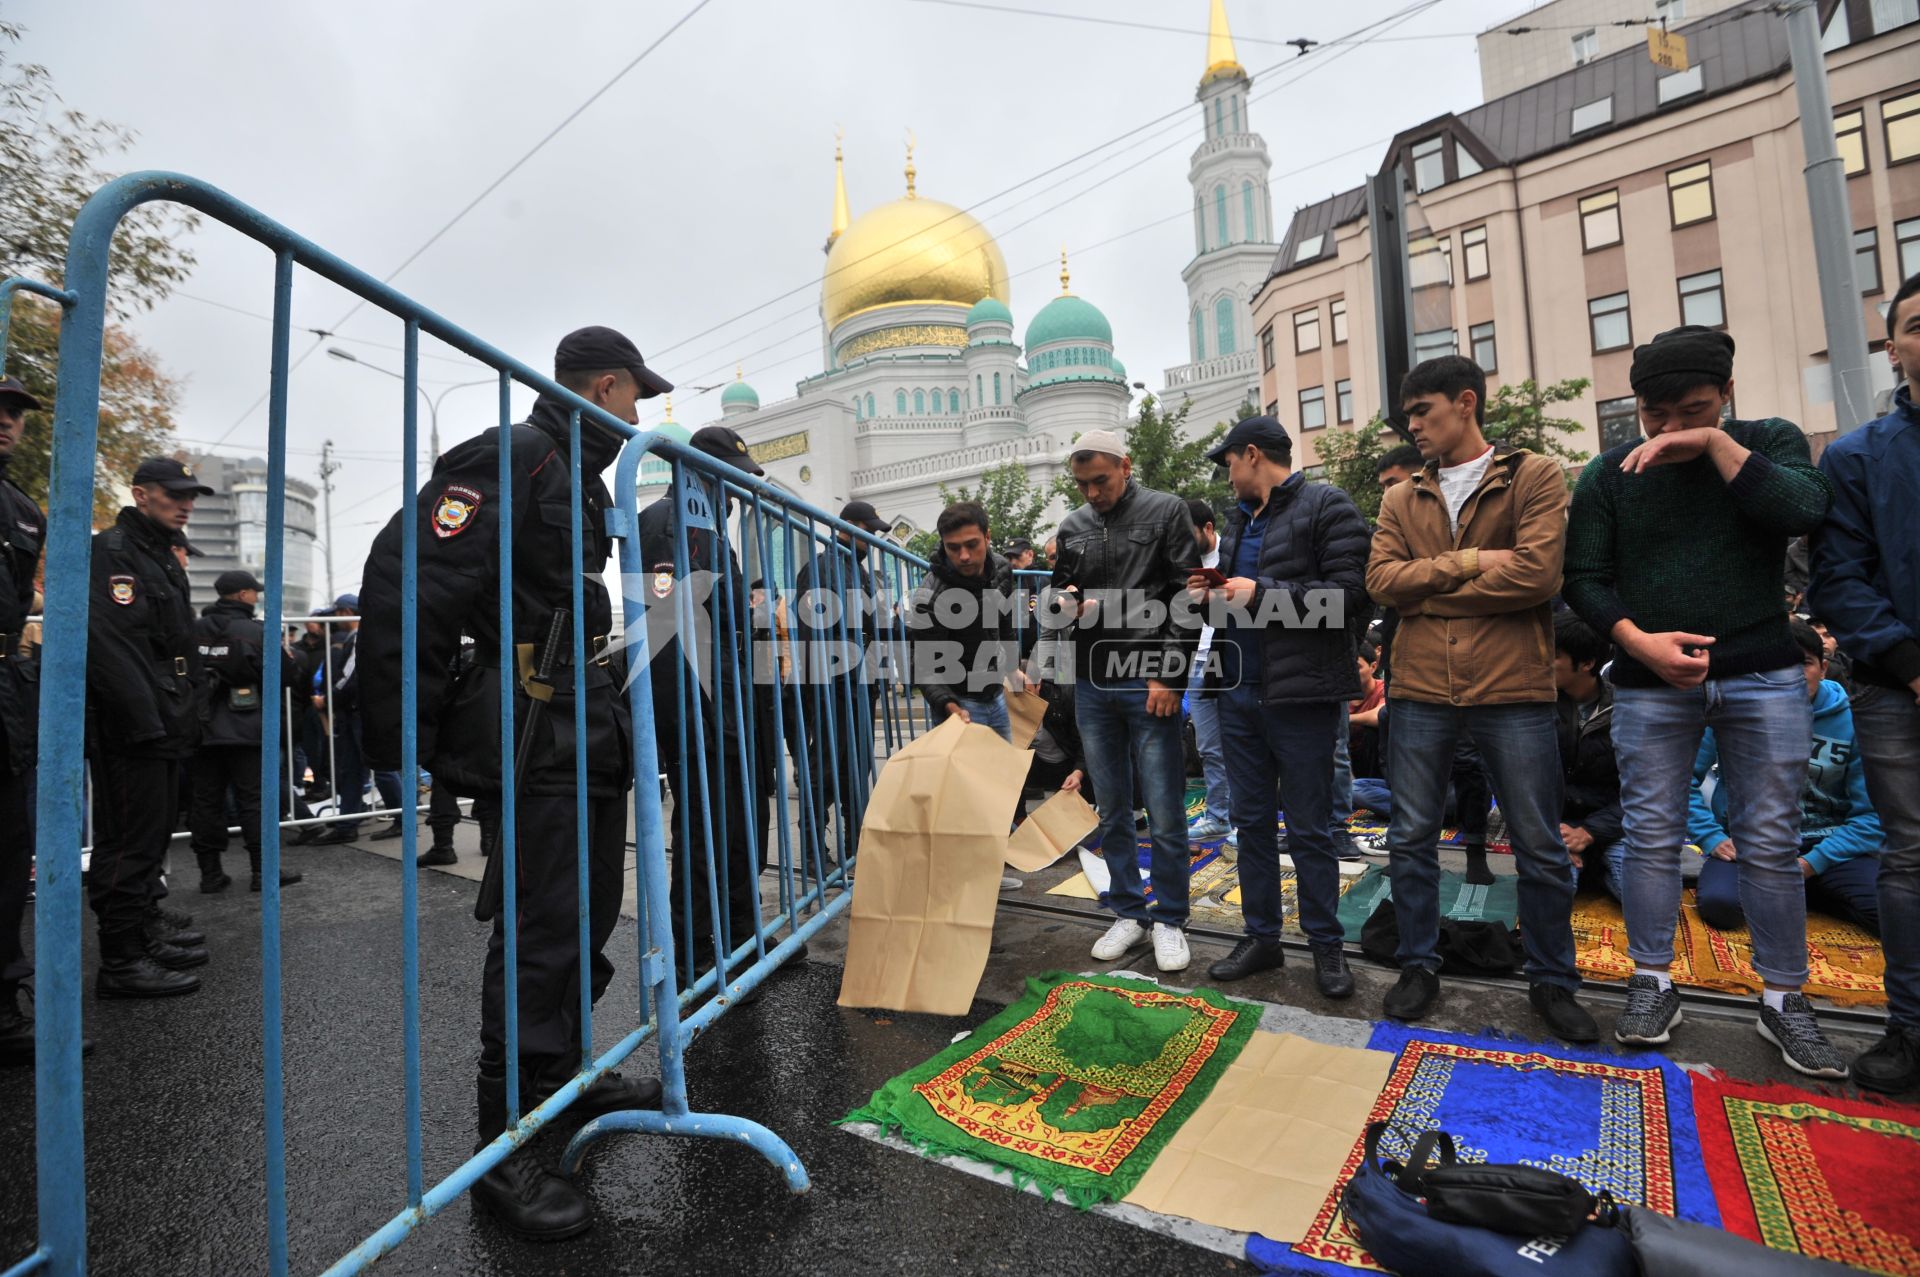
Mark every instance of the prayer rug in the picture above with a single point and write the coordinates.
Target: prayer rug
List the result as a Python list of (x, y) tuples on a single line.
[(1827, 1178), (1614, 1121), (1213, 888), (1075, 1088), (1845, 964), (1459, 899)]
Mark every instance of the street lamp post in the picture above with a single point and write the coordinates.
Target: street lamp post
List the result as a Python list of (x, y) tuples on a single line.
[(433, 401)]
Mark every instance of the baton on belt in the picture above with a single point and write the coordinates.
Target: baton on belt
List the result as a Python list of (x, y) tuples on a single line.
[(536, 678)]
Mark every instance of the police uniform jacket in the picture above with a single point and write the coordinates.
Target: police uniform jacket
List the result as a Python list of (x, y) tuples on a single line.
[(23, 530), (142, 657), (232, 645), (459, 563)]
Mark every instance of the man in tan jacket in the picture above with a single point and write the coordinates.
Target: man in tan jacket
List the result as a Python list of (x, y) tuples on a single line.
[(1469, 550)]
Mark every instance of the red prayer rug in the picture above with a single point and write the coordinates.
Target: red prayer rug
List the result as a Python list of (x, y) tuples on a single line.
[(1827, 1178)]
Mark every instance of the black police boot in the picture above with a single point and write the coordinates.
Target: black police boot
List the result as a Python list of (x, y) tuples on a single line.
[(438, 854), (126, 970), (176, 918), (159, 927), (524, 1196), (176, 957), (212, 877), (16, 1029), (287, 879), (611, 1094), (1330, 973)]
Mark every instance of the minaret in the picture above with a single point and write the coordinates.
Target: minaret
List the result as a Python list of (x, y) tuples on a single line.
[(840, 222)]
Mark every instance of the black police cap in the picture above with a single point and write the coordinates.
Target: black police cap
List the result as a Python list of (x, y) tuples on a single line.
[(1265, 433), (234, 582), (10, 388), (596, 347), (173, 475), (718, 441)]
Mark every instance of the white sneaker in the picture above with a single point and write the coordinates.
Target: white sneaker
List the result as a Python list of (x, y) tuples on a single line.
[(1170, 948), (1207, 828), (1121, 936)]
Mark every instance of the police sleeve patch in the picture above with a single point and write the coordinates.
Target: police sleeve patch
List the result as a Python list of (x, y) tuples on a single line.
[(453, 512), (120, 588)]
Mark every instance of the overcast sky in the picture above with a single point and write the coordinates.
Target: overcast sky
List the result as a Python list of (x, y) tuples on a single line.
[(698, 190)]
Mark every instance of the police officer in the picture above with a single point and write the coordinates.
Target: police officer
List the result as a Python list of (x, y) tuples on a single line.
[(23, 530), (459, 732), (713, 666), (142, 674), (233, 724)]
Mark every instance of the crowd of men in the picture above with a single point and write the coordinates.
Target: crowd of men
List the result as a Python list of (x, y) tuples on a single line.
[(1615, 662)]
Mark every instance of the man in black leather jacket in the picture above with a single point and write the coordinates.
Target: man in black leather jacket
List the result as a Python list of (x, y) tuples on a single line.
[(23, 530)]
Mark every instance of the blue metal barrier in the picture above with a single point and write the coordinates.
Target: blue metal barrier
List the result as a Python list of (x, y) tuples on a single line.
[(21, 284), (838, 719)]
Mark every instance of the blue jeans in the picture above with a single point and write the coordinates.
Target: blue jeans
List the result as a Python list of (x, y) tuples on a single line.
[(989, 711), (1342, 776), (1116, 733), (1288, 748), (1213, 758), (1886, 730), (1845, 891), (1519, 747), (1372, 793), (1763, 723)]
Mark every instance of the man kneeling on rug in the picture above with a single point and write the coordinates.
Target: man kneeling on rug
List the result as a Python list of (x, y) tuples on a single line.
[(1840, 835)]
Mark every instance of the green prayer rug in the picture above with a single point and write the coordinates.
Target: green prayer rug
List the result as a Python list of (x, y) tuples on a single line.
[(1459, 899), (1075, 1088)]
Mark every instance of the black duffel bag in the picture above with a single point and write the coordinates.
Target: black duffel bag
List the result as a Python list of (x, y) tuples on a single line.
[(1524, 1200)]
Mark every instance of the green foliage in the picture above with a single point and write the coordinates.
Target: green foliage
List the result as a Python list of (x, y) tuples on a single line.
[(1519, 414), (1166, 462), (1352, 457), (1015, 508), (50, 163)]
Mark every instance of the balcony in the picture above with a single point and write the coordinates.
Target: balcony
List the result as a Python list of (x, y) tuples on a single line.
[(1238, 364)]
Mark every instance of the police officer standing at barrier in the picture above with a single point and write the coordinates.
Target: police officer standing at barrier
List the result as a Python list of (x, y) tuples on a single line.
[(459, 733), (23, 530), (142, 674), (233, 722), (712, 664)]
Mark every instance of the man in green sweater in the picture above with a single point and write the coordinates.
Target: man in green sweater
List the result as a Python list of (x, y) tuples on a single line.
[(1675, 550)]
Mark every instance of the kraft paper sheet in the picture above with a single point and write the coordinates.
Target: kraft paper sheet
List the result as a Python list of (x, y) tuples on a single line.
[(1024, 711), (1054, 829)]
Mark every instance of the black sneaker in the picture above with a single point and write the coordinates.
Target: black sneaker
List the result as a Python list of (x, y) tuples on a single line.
[(1566, 1019), (391, 831), (1414, 995), (1251, 955), (1794, 1030), (1330, 972), (1890, 1065), (1650, 1014)]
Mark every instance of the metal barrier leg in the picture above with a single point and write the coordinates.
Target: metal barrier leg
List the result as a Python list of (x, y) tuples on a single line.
[(716, 1126)]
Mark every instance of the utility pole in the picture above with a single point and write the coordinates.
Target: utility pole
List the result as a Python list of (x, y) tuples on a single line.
[(1832, 222), (327, 467)]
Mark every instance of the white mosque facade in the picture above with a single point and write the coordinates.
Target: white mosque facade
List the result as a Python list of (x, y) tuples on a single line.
[(927, 381)]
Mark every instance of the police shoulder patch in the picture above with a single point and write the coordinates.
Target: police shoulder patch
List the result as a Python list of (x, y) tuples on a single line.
[(453, 512), (121, 589)]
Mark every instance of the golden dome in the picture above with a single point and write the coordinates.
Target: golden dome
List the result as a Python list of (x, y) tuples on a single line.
[(912, 250)]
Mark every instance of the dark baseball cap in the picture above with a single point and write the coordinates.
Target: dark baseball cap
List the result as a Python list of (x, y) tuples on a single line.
[(11, 387), (234, 582), (1266, 433), (718, 441), (346, 603), (179, 538), (861, 514), (173, 475), (585, 349)]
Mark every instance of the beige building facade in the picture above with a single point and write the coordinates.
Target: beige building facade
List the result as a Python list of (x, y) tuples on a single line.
[(1552, 38), (1546, 242)]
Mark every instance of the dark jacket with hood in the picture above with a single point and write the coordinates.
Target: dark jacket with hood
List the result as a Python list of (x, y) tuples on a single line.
[(1590, 799), (1315, 551), (232, 645), (459, 565), (23, 530), (142, 660), (970, 658)]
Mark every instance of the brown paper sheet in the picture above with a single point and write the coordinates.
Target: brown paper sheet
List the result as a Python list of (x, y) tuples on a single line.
[(932, 847), (1025, 710), (1050, 832), (1262, 1152)]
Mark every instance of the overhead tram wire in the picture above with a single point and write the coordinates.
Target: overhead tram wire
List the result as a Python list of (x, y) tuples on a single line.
[(475, 202)]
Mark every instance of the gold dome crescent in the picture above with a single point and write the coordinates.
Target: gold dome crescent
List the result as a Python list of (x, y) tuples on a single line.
[(912, 250)]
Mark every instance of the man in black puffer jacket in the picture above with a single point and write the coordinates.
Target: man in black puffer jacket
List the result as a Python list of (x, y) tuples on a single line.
[(1295, 558), (964, 645)]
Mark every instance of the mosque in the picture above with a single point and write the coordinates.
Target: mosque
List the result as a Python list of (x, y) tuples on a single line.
[(924, 382)]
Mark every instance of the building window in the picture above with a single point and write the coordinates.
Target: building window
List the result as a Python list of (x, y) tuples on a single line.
[(1850, 135), (1220, 214), (979, 389), (1619, 422), (1593, 115), (1313, 408), (857, 414), (900, 403), (1690, 193), (1586, 47), (1901, 116), (1343, 400), (1309, 249), (1866, 260), (1670, 10), (1611, 325), (1429, 164), (1432, 345), (1273, 408), (996, 388), (919, 403), (1219, 116), (1681, 84), (1600, 220), (1430, 262), (1233, 110), (1888, 14), (1199, 337), (953, 401), (1463, 162), (1906, 246), (1199, 225), (1224, 343), (1480, 342), (1473, 247), (870, 413), (1246, 212), (1338, 311), (1306, 331), (1702, 300), (1266, 349)]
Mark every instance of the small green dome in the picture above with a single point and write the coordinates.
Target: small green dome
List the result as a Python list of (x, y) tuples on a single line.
[(989, 311), (739, 392), (1119, 370), (1068, 318)]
